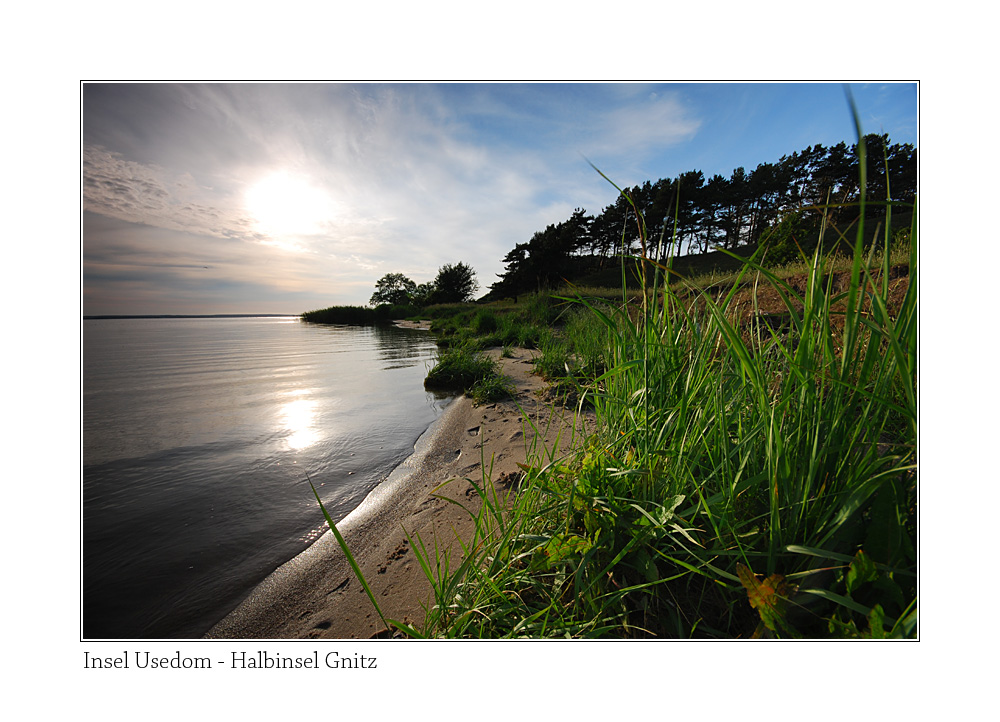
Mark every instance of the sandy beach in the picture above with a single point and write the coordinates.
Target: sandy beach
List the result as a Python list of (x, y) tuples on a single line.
[(317, 595)]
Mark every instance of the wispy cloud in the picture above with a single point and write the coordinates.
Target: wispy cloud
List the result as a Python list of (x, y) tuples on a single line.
[(645, 127), (155, 196), (404, 177)]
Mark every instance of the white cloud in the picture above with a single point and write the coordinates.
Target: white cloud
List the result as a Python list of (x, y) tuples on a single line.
[(412, 181)]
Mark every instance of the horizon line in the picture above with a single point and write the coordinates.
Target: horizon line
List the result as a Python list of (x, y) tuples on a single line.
[(191, 315)]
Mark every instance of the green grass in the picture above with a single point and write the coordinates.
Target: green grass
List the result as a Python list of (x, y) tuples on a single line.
[(728, 474), (359, 315), (525, 325), (468, 370), (494, 387), (839, 260), (745, 481)]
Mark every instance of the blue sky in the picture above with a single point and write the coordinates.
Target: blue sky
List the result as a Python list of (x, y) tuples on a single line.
[(281, 198)]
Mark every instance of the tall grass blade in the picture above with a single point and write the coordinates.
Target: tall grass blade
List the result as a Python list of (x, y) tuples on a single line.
[(347, 553)]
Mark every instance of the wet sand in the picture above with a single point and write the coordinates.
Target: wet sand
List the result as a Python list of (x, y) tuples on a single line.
[(317, 595)]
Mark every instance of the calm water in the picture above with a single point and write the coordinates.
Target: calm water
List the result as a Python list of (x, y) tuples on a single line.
[(197, 436)]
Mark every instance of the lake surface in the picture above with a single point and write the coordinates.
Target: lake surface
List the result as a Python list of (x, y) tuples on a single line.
[(198, 435)]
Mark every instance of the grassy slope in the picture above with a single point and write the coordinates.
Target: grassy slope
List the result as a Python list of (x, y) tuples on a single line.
[(755, 474)]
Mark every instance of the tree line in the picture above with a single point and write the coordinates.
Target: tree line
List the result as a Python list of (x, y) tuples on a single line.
[(699, 214), (397, 296), (454, 283)]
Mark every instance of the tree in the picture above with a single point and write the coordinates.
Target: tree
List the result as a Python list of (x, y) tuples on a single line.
[(714, 199), (738, 199), (455, 284), (515, 277), (423, 294), (903, 171), (687, 209), (393, 288), (768, 185), (548, 258), (718, 212)]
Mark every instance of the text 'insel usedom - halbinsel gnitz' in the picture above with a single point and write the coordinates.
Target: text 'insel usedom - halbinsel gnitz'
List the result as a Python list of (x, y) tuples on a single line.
[(238, 660)]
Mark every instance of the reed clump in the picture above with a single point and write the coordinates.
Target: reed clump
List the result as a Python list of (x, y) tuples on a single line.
[(359, 315)]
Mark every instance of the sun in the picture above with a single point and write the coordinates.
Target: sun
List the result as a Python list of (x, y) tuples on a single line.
[(286, 205)]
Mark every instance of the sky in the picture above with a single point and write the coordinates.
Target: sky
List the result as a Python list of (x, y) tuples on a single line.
[(283, 198)]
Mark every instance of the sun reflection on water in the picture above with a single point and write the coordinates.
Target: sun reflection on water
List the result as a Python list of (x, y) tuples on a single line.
[(299, 419)]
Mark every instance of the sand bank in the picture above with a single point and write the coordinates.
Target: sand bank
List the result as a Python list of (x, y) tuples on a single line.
[(317, 595)]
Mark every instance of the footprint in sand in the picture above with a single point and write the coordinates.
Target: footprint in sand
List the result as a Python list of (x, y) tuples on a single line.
[(399, 553), (340, 587)]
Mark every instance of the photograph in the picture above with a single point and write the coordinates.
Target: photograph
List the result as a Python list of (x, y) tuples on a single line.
[(394, 362)]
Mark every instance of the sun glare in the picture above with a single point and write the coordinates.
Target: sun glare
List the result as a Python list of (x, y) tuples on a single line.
[(286, 205), (299, 419)]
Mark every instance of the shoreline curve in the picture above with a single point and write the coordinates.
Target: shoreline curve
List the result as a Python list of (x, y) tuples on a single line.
[(317, 595)]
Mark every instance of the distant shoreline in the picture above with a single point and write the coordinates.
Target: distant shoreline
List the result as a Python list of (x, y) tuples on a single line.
[(197, 315)]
